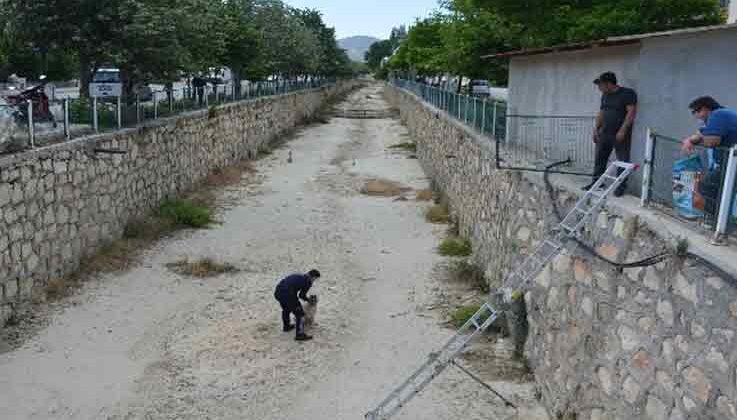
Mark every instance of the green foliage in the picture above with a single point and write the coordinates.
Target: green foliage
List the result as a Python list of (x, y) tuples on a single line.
[(461, 315), (164, 40), (185, 213), (462, 31), (455, 247), (377, 52), (411, 147)]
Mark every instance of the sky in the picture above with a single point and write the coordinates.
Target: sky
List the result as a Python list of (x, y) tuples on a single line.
[(367, 17)]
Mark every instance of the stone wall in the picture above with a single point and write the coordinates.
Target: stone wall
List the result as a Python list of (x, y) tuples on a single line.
[(61, 203), (604, 343)]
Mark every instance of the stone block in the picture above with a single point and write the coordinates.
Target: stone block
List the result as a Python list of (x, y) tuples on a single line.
[(524, 234), (726, 408), (651, 280), (630, 339), (715, 283), (582, 271), (647, 325), (697, 383), (631, 390), (562, 264), (685, 288), (605, 379), (667, 350), (587, 305), (656, 409), (10, 289), (665, 312), (716, 359), (608, 251), (643, 366)]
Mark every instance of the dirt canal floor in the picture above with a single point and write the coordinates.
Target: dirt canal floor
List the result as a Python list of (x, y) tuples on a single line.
[(152, 344)]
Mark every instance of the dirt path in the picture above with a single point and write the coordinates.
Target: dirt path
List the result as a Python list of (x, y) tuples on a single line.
[(151, 344)]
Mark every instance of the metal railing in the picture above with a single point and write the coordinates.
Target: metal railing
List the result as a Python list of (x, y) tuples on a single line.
[(486, 115), (524, 142), (533, 142), (69, 117), (697, 188)]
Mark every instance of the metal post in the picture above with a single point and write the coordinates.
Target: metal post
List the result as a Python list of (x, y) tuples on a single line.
[(138, 109), (31, 133), (171, 101), (217, 95), (67, 131), (725, 206), (493, 121), (475, 111), (156, 105), (95, 122), (207, 94), (465, 110), (119, 112), (459, 106), (483, 117), (647, 170)]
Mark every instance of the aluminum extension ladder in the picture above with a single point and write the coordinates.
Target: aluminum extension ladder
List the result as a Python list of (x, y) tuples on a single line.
[(530, 268)]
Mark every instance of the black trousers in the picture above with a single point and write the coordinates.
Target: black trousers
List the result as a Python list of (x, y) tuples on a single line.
[(711, 190), (604, 148), (290, 305)]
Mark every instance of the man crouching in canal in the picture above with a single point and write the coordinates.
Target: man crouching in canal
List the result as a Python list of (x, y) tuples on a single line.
[(288, 292)]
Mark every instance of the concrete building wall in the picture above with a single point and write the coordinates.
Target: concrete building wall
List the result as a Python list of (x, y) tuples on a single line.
[(561, 84), (677, 69), (732, 12), (61, 203)]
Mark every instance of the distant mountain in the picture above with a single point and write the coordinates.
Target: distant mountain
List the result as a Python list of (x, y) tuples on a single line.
[(357, 46)]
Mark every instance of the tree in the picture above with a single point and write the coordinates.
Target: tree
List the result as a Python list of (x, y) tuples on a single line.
[(548, 22), (423, 51), (377, 52)]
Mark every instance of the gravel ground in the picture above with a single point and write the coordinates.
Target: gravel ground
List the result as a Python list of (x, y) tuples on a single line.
[(148, 344)]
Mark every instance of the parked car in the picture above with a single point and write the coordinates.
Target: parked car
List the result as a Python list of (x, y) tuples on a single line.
[(479, 88)]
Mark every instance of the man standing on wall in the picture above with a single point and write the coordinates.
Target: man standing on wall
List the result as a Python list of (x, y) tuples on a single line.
[(719, 131), (613, 125)]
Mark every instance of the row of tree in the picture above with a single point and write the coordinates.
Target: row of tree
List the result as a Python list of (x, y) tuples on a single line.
[(454, 38), (165, 40)]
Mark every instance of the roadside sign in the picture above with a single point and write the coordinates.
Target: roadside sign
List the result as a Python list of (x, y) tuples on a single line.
[(105, 90)]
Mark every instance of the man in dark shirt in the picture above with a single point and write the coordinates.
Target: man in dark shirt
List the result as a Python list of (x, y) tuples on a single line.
[(613, 125), (288, 292)]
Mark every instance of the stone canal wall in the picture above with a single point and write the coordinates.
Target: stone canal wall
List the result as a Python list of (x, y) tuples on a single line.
[(61, 203), (654, 342)]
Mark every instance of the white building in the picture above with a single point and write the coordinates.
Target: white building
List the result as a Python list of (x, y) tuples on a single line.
[(667, 69)]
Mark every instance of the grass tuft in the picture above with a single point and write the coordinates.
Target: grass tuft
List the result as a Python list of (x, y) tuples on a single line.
[(461, 315), (202, 268), (186, 213), (410, 147), (424, 195), (467, 272), (438, 214), (382, 188), (455, 247)]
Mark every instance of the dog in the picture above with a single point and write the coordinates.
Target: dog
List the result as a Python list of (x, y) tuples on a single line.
[(310, 310)]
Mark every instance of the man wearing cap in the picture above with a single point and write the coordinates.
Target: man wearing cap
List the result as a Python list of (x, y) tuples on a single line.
[(613, 125), (288, 292)]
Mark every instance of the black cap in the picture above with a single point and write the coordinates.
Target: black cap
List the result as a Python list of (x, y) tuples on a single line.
[(606, 77), (314, 274)]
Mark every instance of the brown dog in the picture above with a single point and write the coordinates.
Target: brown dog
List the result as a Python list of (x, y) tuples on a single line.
[(310, 309)]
